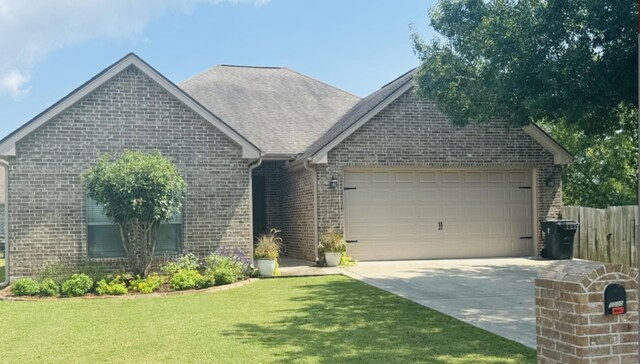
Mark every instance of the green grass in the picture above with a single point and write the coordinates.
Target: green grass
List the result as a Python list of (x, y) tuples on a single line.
[(1, 270), (295, 320)]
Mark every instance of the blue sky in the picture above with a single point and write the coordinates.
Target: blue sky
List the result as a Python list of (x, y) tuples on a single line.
[(48, 48)]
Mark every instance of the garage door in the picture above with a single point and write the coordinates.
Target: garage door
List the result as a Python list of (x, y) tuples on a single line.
[(425, 214)]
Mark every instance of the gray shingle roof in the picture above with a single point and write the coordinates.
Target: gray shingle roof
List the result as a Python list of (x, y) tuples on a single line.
[(277, 109), (359, 110)]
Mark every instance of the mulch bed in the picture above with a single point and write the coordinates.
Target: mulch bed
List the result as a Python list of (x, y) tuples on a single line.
[(5, 294)]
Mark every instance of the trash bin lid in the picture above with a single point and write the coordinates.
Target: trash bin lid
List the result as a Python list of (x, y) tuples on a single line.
[(567, 225)]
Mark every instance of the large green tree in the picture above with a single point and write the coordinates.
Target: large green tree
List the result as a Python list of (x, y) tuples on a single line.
[(571, 64), (528, 60), (138, 191), (605, 167)]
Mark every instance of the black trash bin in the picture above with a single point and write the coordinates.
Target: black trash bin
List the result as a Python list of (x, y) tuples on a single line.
[(558, 238)]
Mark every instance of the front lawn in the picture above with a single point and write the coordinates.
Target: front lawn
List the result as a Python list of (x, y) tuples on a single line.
[(327, 319)]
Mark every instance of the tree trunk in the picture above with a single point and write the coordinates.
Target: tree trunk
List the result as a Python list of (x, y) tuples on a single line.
[(139, 241)]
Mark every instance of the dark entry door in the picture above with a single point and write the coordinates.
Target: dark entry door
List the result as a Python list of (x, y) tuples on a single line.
[(259, 205)]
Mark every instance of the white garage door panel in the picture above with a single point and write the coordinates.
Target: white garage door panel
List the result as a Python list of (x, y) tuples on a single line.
[(395, 213)]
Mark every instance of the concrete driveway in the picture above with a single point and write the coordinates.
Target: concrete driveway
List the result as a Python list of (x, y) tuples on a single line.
[(496, 295)]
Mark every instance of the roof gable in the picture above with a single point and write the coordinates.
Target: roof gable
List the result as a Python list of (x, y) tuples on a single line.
[(373, 104), (362, 112), (8, 144)]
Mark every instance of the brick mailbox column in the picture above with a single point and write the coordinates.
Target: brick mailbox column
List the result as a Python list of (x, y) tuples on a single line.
[(571, 325)]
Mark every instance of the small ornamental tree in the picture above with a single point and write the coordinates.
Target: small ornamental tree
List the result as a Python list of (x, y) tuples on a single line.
[(138, 191)]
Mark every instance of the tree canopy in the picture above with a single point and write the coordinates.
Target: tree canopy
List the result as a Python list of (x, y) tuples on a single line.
[(604, 171), (570, 65), (138, 191), (531, 60)]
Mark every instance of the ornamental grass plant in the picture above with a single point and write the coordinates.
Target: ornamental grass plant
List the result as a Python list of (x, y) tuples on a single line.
[(268, 246)]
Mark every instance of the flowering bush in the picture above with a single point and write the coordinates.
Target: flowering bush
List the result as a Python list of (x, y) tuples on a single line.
[(146, 285), (227, 265), (184, 262), (114, 287)]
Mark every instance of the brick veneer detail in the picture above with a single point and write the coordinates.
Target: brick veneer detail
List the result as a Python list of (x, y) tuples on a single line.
[(570, 323), (297, 214), (130, 111)]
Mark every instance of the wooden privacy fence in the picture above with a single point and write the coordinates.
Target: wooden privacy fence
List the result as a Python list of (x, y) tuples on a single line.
[(604, 235)]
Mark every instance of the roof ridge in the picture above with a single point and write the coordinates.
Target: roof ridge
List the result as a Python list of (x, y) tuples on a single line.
[(322, 82), (397, 78), (245, 66), (224, 65)]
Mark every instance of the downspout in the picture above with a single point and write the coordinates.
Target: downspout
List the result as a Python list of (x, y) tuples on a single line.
[(251, 168), (5, 166), (314, 174)]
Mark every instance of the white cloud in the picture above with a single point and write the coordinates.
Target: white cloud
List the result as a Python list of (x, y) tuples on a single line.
[(14, 82), (32, 29)]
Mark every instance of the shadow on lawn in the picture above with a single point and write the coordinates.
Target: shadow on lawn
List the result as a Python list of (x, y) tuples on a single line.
[(347, 321)]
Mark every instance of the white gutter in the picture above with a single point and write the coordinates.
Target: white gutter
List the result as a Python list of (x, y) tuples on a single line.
[(279, 156), (314, 174), (251, 168), (297, 162)]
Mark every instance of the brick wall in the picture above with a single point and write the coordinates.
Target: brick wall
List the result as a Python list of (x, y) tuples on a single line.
[(297, 213), (412, 132), (47, 204), (570, 323)]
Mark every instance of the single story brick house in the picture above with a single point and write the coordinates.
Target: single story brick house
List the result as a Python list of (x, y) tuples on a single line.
[(263, 147)]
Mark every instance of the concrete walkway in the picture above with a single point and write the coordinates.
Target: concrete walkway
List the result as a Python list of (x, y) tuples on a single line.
[(290, 267), (496, 295)]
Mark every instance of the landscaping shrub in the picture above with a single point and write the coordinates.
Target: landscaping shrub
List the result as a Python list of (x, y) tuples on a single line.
[(205, 281), (26, 287), (224, 276), (156, 188), (186, 279), (184, 262), (78, 285), (346, 260), (227, 265), (114, 287), (146, 285), (49, 288), (57, 271)]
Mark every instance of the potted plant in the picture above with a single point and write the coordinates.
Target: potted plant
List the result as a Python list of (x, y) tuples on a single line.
[(267, 250), (332, 244)]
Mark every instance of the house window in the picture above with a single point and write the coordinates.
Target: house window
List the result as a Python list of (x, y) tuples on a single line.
[(104, 236)]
